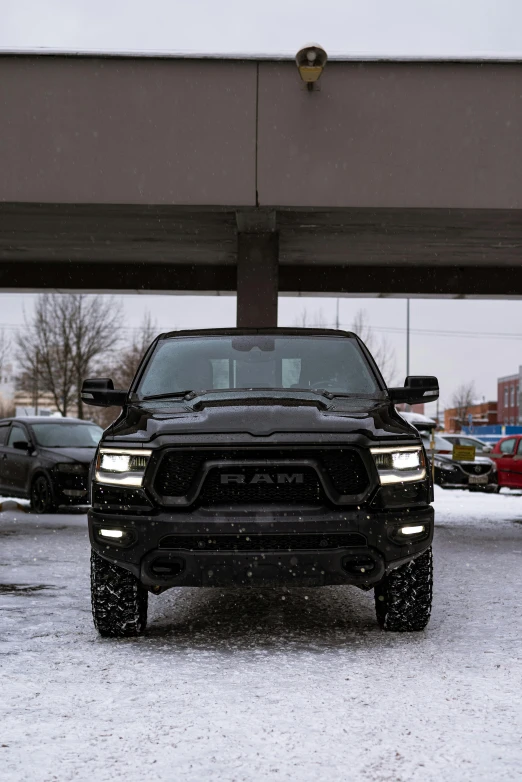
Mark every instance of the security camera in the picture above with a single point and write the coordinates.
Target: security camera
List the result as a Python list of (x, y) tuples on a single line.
[(310, 61)]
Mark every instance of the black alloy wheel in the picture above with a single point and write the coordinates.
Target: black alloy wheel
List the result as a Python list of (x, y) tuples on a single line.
[(42, 496)]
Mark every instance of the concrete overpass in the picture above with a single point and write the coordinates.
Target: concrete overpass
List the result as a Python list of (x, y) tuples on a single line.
[(210, 175)]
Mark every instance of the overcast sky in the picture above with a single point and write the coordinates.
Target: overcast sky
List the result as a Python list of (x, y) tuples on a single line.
[(452, 339), (375, 27), (448, 338)]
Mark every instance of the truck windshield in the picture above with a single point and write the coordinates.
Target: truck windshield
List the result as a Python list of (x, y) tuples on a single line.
[(206, 363)]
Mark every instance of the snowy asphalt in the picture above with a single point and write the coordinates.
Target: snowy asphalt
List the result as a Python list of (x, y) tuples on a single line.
[(264, 685)]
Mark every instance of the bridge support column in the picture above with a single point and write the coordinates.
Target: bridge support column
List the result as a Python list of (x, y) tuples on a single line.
[(257, 279)]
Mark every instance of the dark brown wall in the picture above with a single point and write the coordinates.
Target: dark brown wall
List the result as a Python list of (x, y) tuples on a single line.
[(145, 131), (81, 130), (392, 134)]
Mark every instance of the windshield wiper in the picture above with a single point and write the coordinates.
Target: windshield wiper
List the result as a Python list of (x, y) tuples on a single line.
[(189, 394), (342, 394)]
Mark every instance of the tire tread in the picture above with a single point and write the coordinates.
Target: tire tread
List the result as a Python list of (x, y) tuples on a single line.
[(118, 599), (403, 599)]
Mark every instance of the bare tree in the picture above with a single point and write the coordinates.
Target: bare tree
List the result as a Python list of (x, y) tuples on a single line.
[(94, 334), (5, 350), (462, 400), (309, 320), (7, 407), (380, 349), (45, 352), (60, 345), (123, 368)]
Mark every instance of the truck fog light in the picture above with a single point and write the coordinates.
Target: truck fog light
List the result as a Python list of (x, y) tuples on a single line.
[(111, 533), (412, 530)]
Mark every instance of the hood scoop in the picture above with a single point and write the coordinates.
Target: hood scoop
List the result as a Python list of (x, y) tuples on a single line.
[(259, 400)]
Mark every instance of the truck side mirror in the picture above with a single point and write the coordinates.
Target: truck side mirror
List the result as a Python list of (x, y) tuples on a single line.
[(417, 389), (101, 393)]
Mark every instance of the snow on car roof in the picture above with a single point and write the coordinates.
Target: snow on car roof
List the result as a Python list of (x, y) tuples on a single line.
[(418, 418)]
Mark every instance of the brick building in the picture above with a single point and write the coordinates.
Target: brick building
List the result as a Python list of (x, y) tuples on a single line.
[(484, 414), (509, 388), (411, 408)]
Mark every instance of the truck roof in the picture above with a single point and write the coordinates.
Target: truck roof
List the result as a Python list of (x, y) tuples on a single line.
[(290, 331)]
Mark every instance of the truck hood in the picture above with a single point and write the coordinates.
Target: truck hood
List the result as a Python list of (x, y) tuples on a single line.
[(261, 415)]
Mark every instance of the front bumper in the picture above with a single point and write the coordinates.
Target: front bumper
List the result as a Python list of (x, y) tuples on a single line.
[(70, 489), (375, 547), (457, 478)]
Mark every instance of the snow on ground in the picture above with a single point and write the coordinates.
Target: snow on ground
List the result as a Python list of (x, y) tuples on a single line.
[(260, 684)]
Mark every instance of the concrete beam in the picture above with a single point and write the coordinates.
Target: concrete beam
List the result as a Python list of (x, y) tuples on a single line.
[(392, 280), (113, 277), (258, 279)]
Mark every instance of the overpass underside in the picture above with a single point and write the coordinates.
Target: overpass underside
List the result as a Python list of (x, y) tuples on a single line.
[(201, 176), (261, 253)]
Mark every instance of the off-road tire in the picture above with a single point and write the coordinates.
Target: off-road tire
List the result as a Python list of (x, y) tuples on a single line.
[(41, 496), (119, 600), (403, 598)]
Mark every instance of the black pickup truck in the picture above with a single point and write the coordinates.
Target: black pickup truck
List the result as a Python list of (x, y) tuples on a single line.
[(266, 457)]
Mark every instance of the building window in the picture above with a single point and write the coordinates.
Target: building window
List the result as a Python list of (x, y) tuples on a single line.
[(506, 398)]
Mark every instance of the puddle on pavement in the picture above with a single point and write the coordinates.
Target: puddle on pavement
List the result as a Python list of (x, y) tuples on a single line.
[(23, 589)]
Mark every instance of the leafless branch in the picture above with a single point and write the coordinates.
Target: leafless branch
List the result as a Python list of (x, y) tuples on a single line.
[(462, 401), (380, 349), (61, 342)]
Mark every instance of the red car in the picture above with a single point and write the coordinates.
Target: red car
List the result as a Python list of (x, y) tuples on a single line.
[(507, 455)]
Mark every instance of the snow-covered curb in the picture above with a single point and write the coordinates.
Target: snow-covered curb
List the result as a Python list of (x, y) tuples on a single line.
[(11, 503)]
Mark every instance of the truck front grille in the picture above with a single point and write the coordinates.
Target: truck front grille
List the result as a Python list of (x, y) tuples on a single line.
[(180, 471), (307, 491), (261, 542)]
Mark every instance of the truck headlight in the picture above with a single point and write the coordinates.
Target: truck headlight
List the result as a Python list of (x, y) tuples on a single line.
[(400, 465), (121, 466)]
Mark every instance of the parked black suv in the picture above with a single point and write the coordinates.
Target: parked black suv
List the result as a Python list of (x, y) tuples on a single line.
[(47, 459), (260, 457)]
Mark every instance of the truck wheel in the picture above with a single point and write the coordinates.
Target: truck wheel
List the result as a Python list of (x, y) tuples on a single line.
[(42, 496), (403, 598), (119, 600)]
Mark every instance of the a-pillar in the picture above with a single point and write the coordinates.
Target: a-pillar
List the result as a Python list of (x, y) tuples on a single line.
[(257, 279)]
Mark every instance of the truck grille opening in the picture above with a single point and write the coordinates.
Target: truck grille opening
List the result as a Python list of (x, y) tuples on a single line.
[(262, 542), (302, 486), (343, 467)]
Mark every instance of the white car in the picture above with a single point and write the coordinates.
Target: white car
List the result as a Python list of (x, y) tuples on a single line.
[(441, 444)]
